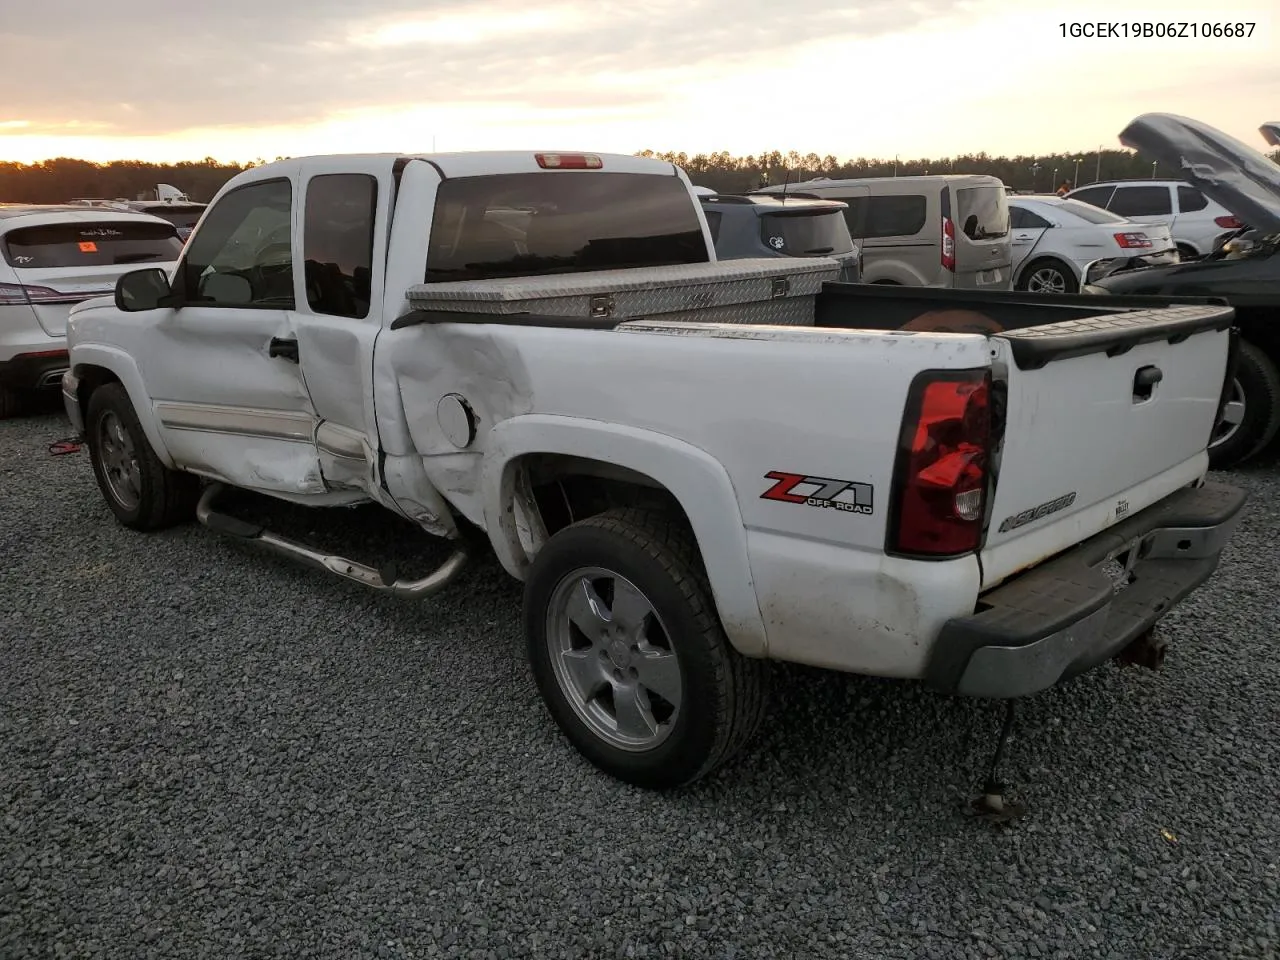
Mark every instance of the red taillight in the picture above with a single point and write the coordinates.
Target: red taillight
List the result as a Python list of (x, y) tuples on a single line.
[(1132, 240), (568, 161), (948, 244), (11, 293), (1228, 223), (22, 293), (940, 481)]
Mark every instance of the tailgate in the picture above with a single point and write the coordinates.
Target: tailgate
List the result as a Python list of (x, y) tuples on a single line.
[(1103, 417)]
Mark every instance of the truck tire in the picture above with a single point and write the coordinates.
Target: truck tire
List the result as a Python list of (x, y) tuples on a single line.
[(141, 491), (1252, 415), (10, 403), (629, 654)]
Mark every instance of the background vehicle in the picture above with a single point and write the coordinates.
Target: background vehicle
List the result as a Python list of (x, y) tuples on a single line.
[(1196, 220), (692, 466), (934, 231), (183, 214), (52, 257), (1245, 272), (761, 226), (1055, 240)]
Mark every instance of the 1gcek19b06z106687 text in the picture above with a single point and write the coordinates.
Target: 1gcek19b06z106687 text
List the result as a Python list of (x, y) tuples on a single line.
[(1139, 30)]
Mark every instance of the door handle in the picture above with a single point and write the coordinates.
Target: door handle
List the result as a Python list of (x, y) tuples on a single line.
[(284, 348), (1144, 382), (1022, 237)]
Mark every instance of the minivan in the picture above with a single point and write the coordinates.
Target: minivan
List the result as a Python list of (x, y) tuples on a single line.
[(946, 230)]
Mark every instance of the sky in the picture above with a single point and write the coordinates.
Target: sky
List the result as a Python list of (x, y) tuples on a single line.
[(244, 79)]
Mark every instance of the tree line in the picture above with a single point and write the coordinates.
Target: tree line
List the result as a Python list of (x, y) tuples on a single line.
[(62, 179), (725, 173)]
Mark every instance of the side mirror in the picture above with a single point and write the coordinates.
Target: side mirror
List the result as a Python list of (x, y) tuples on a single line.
[(143, 290)]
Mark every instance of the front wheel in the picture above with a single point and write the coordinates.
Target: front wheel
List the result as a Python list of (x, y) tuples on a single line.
[(1048, 276), (1251, 415), (629, 655), (140, 490)]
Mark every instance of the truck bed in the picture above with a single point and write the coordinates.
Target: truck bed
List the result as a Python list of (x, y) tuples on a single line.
[(861, 306)]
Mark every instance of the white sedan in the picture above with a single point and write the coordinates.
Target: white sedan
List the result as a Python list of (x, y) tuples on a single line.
[(1057, 241)]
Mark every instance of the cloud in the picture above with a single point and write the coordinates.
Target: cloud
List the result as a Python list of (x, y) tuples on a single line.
[(145, 67)]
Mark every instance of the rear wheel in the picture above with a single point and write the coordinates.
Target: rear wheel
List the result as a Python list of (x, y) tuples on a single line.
[(141, 491), (629, 655), (1048, 276), (1186, 254), (1251, 416)]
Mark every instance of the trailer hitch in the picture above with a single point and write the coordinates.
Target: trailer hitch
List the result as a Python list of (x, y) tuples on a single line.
[(1148, 650)]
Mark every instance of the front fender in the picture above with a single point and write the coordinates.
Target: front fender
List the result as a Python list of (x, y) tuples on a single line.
[(696, 479), (86, 357)]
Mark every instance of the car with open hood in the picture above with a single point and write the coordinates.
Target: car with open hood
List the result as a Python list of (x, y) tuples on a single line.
[(1244, 270)]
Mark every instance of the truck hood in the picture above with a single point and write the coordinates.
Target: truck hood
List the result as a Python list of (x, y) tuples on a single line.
[(1224, 169), (1271, 132)]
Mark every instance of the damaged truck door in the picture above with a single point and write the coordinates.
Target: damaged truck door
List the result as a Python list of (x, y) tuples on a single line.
[(219, 354), (339, 310)]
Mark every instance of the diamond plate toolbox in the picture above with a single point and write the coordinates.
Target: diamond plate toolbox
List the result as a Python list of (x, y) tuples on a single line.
[(694, 292)]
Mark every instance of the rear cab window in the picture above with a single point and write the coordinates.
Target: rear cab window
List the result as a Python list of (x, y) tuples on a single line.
[(982, 213), (531, 224), (337, 243), (91, 244), (808, 234)]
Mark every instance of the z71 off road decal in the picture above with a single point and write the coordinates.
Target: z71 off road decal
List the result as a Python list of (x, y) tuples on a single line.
[(824, 492), (1037, 513)]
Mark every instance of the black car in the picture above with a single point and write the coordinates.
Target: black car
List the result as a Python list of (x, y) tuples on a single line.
[(777, 226), (1245, 270)]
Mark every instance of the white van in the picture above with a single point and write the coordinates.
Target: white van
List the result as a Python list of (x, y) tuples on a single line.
[(937, 231)]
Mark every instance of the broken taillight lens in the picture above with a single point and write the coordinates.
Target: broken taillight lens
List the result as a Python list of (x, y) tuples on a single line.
[(940, 487)]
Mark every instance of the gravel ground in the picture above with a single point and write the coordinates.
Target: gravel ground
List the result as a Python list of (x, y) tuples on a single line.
[(209, 753)]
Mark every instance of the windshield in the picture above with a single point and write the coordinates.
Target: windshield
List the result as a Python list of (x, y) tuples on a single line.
[(813, 234), (526, 224), (91, 244), (1088, 212), (983, 212)]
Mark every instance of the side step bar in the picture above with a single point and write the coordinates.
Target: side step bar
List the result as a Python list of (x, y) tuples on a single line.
[(384, 581)]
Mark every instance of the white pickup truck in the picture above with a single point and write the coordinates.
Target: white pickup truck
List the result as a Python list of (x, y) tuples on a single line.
[(694, 467)]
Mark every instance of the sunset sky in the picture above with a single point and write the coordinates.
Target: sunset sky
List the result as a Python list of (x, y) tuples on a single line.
[(241, 79)]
